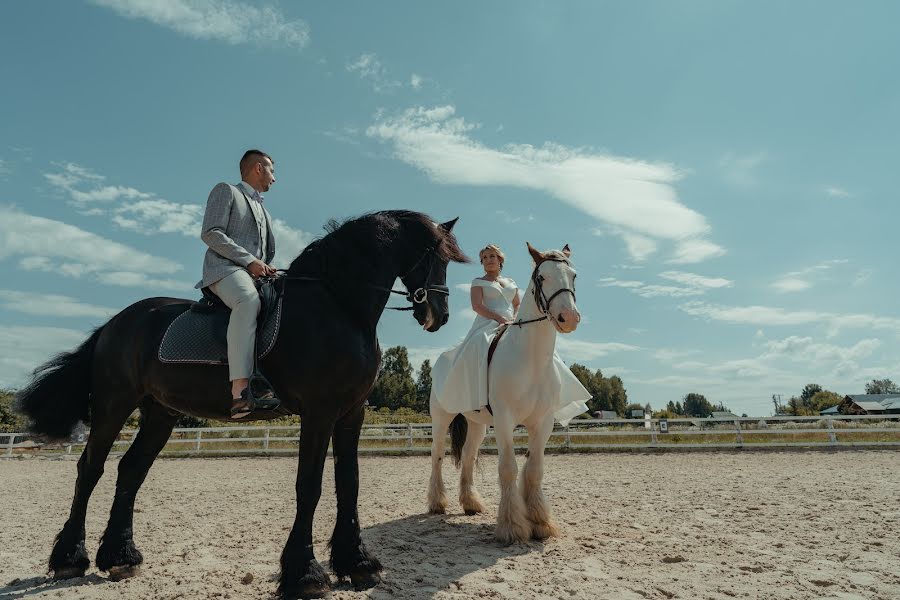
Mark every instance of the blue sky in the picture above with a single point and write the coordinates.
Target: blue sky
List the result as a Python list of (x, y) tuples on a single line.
[(724, 171)]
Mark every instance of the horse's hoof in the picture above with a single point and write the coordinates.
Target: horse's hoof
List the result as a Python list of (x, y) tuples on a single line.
[(119, 573), (67, 573), (542, 531), (364, 580), (437, 510), (471, 511)]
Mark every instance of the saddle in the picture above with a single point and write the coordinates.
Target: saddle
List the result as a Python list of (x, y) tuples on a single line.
[(198, 335)]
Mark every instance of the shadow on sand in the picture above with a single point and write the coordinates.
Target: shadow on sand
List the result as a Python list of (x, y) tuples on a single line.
[(23, 588), (426, 554)]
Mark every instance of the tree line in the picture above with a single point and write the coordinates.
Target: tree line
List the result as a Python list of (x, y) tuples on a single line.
[(813, 399)]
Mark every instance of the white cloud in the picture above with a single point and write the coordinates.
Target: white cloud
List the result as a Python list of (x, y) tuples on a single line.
[(131, 279), (697, 281), (227, 21), (573, 349), (57, 247), (369, 68), (790, 284), (415, 81), (289, 242), (837, 192), (53, 305), (797, 281), (740, 169), (463, 287), (419, 354), (150, 215), (24, 348), (766, 315), (635, 198), (649, 290)]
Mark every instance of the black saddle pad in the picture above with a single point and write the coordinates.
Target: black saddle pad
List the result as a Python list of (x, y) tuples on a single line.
[(199, 337)]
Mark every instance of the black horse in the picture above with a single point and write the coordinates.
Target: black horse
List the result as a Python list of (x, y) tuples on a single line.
[(323, 367)]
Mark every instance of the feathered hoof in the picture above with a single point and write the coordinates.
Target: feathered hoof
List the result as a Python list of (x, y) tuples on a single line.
[(512, 533), (436, 508), (364, 580), (118, 573), (542, 531), (67, 573)]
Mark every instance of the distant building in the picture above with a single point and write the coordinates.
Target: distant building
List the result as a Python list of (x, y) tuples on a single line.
[(866, 404), (606, 414), (726, 414)]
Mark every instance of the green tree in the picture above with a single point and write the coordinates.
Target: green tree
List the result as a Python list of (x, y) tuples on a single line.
[(809, 390), (822, 400), (696, 405), (616, 395), (10, 421), (423, 386), (395, 386), (882, 386)]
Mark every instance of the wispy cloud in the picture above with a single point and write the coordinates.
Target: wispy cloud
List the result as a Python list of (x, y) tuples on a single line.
[(773, 316), (692, 285), (52, 305), (56, 247), (633, 197), (5, 168), (463, 287), (144, 213), (573, 349), (740, 169), (24, 348), (226, 21), (837, 192), (415, 81), (369, 68), (797, 281)]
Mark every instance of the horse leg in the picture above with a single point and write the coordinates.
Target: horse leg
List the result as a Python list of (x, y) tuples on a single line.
[(512, 526), (536, 508), (69, 556), (437, 493), (469, 498), (301, 574), (117, 553), (349, 556)]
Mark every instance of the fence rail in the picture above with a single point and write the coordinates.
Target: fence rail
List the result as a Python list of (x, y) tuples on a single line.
[(588, 435)]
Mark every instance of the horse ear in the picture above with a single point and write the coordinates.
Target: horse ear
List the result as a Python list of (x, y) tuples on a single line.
[(536, 254), (566, 251), (448, 226)]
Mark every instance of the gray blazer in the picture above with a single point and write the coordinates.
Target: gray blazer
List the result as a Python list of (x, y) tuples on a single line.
[(232, 234)]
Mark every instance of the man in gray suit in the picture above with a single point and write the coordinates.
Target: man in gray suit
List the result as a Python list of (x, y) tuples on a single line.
[(238, 230)]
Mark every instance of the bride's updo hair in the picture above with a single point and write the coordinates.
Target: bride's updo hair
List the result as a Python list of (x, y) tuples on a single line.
[(496, 250)]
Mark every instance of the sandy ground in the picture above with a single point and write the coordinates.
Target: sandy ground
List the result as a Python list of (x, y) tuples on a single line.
[(697, 525)]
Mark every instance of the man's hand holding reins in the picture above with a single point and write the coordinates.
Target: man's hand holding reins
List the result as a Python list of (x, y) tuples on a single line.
[(260, 269)]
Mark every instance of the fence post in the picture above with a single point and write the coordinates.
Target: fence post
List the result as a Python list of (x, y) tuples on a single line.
[(832, 438), (11, 437), (197, 443), (568, 440), (653, 428), (409, 435), (266, 440), (739, 433)]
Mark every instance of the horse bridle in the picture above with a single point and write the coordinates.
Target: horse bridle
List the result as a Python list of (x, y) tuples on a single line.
[(540, 298), (418, 296)]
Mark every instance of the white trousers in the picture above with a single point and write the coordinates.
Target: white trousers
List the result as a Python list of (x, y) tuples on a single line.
[(239, 294)]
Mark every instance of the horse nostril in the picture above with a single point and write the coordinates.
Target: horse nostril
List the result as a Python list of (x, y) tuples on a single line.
[(561, 318)]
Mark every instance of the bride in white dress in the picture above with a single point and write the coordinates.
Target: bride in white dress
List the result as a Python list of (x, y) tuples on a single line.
[(459, 376)]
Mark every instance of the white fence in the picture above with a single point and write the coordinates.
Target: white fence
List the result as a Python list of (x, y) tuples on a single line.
[(587, 435)]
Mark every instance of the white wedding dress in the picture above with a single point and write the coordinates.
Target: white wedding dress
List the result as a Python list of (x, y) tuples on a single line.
[(459, 381)]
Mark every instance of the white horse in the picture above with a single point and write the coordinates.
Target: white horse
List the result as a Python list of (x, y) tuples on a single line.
[(523, 386)]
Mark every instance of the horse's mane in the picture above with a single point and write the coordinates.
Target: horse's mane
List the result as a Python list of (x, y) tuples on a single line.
[(382, 228)]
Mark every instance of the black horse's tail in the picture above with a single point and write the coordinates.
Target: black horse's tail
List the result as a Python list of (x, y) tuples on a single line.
[(59, 394), (459, 427)]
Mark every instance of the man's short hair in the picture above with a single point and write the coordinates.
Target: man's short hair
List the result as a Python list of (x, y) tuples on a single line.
[(251, 157)]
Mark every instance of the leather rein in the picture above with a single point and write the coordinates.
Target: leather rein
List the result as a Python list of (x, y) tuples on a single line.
[(419, 296)]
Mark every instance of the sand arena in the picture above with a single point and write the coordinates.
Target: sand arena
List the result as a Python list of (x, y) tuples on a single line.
[(723, 525)]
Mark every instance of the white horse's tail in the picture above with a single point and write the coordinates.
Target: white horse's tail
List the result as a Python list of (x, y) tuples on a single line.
[(459, 427)]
